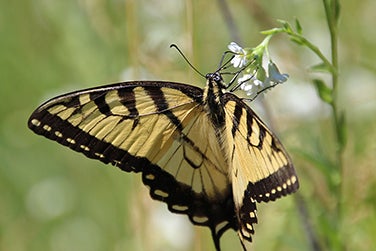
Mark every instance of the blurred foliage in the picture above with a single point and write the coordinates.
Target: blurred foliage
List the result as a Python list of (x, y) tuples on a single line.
[(54, 199)]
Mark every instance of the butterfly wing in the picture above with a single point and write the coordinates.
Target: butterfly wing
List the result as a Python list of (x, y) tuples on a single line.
[(261, 168), (156, 128)]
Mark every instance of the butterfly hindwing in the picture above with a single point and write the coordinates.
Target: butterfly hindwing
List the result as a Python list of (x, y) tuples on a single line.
[(261, 168)]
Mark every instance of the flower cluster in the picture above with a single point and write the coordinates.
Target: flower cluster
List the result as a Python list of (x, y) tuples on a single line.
[(255, 80)]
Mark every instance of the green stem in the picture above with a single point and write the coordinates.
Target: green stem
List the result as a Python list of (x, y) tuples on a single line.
[(330, 11)]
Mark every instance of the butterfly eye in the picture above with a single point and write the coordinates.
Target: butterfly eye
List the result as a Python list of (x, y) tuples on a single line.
[(216, 77)]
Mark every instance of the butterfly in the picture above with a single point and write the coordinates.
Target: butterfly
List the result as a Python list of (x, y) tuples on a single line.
[(203, 152)]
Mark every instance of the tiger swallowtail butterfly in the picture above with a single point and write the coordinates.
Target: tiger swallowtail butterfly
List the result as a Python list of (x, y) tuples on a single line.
[(203, 152)]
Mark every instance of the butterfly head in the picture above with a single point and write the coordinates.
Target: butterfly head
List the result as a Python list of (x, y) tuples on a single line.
[(216, 77)]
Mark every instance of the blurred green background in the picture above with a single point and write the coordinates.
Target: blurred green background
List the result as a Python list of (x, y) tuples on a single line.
[(52, 198)]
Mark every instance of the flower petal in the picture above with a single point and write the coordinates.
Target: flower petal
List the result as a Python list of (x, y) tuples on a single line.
[(235, 48), (274, 74)]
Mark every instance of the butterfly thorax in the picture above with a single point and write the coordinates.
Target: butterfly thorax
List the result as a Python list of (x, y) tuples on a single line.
[(213, 99)]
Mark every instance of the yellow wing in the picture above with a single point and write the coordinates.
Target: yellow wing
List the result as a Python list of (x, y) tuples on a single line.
[(261, 169), (157, 128)]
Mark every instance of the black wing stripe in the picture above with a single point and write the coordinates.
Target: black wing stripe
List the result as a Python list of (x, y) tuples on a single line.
[(262, 134), (100, 102), (162, 106), (236, 118), (74, 101), (250, 116), (128, 99)]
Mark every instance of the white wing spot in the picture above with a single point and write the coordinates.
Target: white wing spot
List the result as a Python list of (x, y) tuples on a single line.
[(47, 128), (150, 176), (100, 155), (58, 134), (35, 122), (284, 185), (293, 179), (279, 188), (85, 148), (161, 193), (273, 191), (252, 215), (288, 182), (267, 194), (199, 219), (180, 208), (245, 233), (249, 226), (71, 141)]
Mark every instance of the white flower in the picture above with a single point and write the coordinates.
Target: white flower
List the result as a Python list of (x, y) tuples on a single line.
[(240, 57), (251, 85), (274, 75), (235, 48)]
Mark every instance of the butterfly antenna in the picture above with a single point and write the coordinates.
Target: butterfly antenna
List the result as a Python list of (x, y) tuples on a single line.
[(186, 60), (222, 65)]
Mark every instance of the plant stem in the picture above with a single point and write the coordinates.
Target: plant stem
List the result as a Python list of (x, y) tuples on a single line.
[(331, 16)]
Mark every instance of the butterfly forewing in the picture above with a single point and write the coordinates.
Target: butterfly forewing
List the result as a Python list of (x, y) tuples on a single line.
[(157, 128), (129, 116)]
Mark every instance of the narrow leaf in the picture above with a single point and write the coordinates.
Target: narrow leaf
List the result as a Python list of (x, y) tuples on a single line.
[(286, 26), (325, 93), (298, 27), (322, 67)]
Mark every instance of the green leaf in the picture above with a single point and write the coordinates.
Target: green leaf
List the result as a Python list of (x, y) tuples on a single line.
[(298, 27), (322, 67), (286, 26), (325, 93), (281, 21)]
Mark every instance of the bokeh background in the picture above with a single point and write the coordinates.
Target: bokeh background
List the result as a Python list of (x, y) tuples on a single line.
[(52, 198)]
